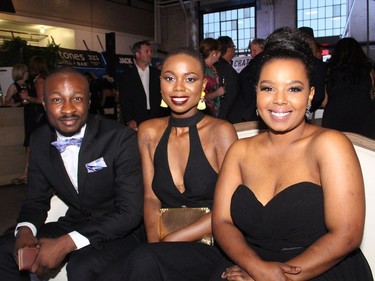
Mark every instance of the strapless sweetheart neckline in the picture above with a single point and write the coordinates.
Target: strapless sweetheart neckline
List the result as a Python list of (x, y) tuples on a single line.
[(290, 188)]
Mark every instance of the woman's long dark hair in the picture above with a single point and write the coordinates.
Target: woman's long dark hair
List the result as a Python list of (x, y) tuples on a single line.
[(349, 58)]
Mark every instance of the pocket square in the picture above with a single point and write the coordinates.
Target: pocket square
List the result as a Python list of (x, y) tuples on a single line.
[(96, 165)]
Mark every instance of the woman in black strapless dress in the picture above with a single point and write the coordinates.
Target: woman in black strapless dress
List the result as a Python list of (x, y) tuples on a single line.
[(289, 202)]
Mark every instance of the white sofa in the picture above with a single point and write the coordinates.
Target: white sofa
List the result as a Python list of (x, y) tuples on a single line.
[(365, 149)]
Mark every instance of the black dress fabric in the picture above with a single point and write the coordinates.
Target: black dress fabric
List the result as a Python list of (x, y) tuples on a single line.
[(182, 261), (199, 178), (349, 107), (287, 225)]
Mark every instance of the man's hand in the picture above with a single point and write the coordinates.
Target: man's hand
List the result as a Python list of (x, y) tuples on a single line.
[(52, 252), (24, 239)]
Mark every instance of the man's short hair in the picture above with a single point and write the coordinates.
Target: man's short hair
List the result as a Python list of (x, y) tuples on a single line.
[(137, 46), (225, 43)]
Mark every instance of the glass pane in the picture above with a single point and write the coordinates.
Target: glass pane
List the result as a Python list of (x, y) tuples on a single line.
[(321, 12), (336, 11), (314, 24), (247, 23), (223, 16), (240, 24), (343, 10), (329, 11), (329, 24), (336, 23), (234, 25), (314, 14), (228, 15), (321, 24), (217, 17), (252, 12), (222, 27), (241, 13), (300, 4), (217, 27), (307, 15)]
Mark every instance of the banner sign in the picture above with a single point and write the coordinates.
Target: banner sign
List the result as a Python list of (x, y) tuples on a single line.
[(239, 63), (124, 59), (80, 58)]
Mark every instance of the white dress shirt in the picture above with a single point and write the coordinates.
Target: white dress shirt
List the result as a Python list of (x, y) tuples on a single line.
[(145, 78)]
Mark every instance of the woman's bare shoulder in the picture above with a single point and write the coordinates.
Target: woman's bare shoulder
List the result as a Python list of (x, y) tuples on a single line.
[(152, 129), (327, 142), (329, 137)]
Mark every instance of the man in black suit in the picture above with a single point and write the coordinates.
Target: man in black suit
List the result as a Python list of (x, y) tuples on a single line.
[(99, 179), (225, 70), (140, 95)]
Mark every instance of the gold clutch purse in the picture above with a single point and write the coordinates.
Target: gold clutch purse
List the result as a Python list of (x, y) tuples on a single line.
[(172, 219)]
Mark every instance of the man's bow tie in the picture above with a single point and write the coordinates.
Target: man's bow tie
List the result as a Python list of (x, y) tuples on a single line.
[(61, 145)]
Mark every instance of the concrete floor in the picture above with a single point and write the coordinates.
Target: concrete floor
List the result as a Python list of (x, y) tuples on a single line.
[(11, 197)]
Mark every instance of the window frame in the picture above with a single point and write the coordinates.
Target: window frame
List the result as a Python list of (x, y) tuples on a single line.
[(241, 49), (320, 21)]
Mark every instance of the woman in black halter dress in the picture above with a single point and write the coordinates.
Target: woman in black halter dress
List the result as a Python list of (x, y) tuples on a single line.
[(181, 158), (289, 202)]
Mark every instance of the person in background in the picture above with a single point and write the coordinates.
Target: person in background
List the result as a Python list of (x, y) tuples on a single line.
[(110, 97), (139, 88), (95, 93), (289, 203), (33, 109), (210, 50), (93, 165), (228, 76), (349, 84), (319, 70), (256, 46), (244, 107), (20, 74), (181, 157)]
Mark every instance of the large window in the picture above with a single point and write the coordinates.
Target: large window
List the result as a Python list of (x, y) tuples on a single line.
[(239, 24), (326, 17)]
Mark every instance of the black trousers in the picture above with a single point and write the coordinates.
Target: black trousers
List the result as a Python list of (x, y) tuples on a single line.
[(168, 261), (82, 265)]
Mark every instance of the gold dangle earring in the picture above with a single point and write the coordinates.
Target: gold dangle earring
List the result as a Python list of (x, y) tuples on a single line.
[(163, 104), (202, 103)]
